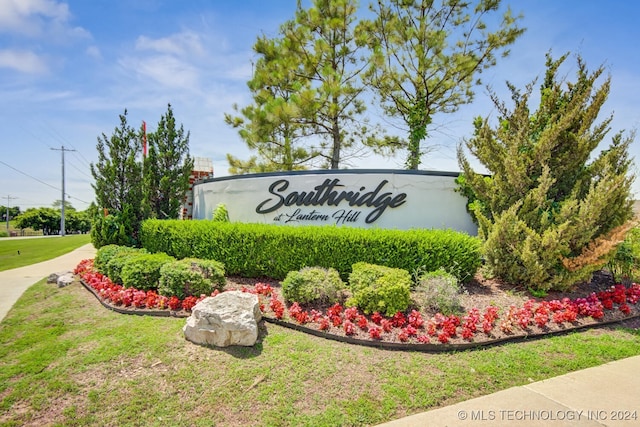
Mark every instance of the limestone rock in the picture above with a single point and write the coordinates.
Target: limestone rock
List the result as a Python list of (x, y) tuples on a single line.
[(53, 277), (65, 280), (62, 279), (230, 318)]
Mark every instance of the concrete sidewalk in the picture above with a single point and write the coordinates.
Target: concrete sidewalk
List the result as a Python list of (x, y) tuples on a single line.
[(607, 395), (14, 282)]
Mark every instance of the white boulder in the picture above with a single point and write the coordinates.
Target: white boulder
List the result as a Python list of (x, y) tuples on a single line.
[(230, 318)]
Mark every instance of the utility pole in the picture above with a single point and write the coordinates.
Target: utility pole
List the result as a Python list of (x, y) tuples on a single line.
[(9, 198), (62, 150)]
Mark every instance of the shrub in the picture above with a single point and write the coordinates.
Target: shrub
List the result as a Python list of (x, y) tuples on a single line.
[(106, 253), (191, 277), (313, 284), (438, 290), (118, 260), (220, 213), (115, 229), (255, 250), (625, 264), (143, 271), (379, 288), (552, 210)]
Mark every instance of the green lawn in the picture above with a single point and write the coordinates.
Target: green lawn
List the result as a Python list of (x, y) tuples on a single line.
[(20, 252), (66, 360)]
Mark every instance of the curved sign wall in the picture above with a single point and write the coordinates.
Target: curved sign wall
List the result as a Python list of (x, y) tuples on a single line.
[(360, 198)]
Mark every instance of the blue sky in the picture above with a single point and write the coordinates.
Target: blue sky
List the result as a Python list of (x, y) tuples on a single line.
[(69, 68)]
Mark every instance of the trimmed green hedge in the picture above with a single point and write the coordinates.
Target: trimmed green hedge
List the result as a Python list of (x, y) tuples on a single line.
[(117, 261), (254, 250)]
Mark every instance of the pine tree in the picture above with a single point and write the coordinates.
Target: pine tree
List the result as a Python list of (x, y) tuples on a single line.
[(307, 94), (548, 214)]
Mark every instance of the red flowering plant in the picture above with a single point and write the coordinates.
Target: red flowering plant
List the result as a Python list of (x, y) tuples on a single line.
[(407, 327)]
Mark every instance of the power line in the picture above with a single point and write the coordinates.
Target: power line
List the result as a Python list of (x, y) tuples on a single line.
[(32, 177), (42, 182), (80, 170)]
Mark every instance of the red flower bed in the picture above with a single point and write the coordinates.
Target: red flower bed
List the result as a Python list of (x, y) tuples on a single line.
[(477, 325)]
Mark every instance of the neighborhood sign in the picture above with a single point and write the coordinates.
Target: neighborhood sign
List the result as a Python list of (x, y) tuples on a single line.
[(361, 198)]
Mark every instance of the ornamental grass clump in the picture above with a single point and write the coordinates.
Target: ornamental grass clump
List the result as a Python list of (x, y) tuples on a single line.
[(313, 284), (438, 291), (191, 277)]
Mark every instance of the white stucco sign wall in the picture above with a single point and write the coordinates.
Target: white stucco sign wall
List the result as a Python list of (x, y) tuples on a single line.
[(361, 198)]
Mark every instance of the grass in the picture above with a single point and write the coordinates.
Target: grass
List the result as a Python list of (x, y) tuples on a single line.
[(37, 249), (65, 360)]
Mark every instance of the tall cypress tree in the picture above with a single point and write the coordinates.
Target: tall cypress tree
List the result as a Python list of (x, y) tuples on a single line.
[(551, 212), (166, 168), (118, 175)]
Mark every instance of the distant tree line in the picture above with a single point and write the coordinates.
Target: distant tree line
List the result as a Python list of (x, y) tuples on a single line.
[(47, 220), (13, 212)]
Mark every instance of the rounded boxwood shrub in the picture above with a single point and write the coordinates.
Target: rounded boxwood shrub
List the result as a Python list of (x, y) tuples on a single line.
[(191, 277), (379, 288), (106, 253), (313, 284), (143, 271), (117, 261)]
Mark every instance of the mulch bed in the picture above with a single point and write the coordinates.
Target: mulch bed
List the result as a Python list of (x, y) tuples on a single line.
[(480, 293)]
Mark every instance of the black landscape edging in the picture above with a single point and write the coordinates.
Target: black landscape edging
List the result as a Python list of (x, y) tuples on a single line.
[(434, 348), (148, 312), (427, 347)]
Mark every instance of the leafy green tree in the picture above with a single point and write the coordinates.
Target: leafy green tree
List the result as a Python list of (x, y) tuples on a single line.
[(45, 219), (427, 55), (14, 211), (548, 214), (118, 178), (77, 222), (166, 168), (67, 205)]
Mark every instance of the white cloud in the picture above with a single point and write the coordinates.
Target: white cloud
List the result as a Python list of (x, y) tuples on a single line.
[(163, 69), (23, 61), (182, 44), (38, 18), (94, 52)]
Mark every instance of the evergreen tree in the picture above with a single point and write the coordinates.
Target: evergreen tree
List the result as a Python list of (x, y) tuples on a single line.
[(427, 55), (117, 182), (548, 214), (307, 93), (271, 125), (166, 169)]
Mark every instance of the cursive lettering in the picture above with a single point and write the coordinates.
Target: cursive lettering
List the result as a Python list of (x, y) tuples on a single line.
[(328, 193)]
